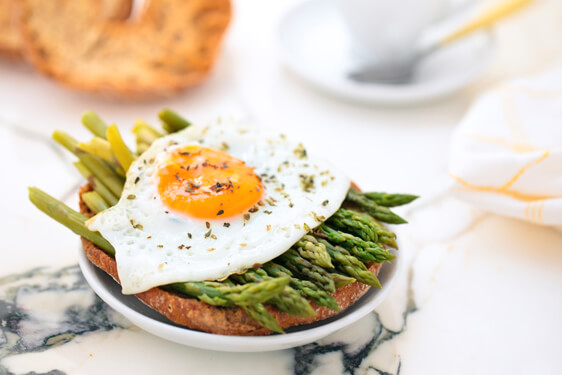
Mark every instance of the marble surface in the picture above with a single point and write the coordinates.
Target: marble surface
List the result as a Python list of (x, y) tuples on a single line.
[(480, 293)]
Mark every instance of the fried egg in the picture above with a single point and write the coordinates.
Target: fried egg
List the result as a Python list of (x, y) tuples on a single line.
[(207, 202)]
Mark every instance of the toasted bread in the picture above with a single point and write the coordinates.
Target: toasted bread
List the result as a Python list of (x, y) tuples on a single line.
[(9, 37), (10, 40), (198, 315), (171, 46)]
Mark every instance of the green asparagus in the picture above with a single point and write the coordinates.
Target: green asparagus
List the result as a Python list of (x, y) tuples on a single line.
[(68, 217), (218, 294), (350, 265), (94, 201), (289, 300), (145, 135), (298, 265), (172, 122), (94, 124), (102, 171), (259, 313), (364, 250), (309, 248), (341, 280), (96, 184), (390, 200), (119, 148), (385, 236), (378, 212), (354, 222), (101, 148), (304, 287)]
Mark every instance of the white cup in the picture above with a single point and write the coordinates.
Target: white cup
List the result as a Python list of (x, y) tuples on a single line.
[(387, 31)]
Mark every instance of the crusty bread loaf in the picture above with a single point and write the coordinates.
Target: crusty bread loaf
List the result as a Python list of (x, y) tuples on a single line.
[(171, 46), (9, 37), (10, 40), (225, 321)]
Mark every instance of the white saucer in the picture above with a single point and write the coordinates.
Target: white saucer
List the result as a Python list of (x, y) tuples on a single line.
[(149, 320), (315, 46)]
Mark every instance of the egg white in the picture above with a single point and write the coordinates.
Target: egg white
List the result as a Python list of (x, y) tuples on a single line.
[(156, 246)]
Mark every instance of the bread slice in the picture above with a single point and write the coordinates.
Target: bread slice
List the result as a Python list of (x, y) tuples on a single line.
[(171, 46), (198, 315), (10, 40)]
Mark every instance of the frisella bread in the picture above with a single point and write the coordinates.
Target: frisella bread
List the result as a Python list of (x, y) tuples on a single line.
[(11, 43), (169, 46), (225, 228)]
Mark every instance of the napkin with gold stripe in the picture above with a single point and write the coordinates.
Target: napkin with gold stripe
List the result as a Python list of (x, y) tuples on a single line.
[(506, 154)]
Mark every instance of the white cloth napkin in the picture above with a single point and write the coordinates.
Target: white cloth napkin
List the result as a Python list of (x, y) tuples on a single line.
[(506, 154)]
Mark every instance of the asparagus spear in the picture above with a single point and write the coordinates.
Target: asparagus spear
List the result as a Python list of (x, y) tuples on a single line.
[(298, 265), (341, 280), (218, 294), (365, 250), (145, 132), (94, 123), (306, 288), (385, 236), (378, 212), (354, 222), (289, 300), (172, 122), (119, 148), (105, 174), (101, 148), (390, 200), (259, 313), (145, 135), (98, 168), (96, 184), (350, 265), (362, 225), (94, 201), (309, 248), (68, 217)]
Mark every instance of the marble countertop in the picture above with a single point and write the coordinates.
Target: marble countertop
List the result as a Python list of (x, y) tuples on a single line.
[(479, 293)]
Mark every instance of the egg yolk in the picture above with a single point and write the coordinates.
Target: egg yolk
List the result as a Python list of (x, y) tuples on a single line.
[(208, 184)]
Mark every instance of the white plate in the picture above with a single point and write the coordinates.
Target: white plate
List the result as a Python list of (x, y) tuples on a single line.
[(315, 46), (149, 320)]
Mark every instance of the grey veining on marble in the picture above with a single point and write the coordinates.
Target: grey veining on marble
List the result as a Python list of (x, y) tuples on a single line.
[(42, 309), (353, 357)]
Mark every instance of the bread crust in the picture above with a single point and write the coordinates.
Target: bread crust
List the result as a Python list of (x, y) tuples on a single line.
[(172, 46), (231, 321), (10, 38)]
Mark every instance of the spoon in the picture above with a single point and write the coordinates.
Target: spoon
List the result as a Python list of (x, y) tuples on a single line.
[(401, 72)]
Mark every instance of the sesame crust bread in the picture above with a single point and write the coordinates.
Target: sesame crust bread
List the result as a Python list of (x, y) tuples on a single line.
[(10, 39), (171, 46), (198, 315)]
